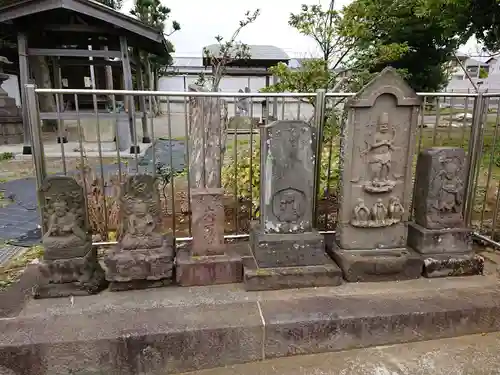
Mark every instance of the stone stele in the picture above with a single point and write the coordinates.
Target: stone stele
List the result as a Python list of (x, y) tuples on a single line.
[(209, 260), (287, 251), (439, 231), (143, 257), (377, 148), (69, 265)]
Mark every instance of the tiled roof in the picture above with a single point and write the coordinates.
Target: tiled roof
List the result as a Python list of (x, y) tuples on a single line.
[(259, 52)]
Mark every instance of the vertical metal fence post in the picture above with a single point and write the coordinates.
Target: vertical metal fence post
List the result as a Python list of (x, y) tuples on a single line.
[(36, 134), (472, 156), (319, 121)]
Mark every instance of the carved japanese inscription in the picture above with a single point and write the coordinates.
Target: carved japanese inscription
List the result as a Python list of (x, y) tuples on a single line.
[(439, 188), (287, 177)]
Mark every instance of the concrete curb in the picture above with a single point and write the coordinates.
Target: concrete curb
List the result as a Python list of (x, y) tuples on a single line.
[(173, 339)]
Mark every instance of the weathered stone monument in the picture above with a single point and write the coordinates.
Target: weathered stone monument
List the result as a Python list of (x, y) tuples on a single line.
[(287, 251), (69, 265), (11, 123), (208, 260), (144, 256), (376, 154), (439, 231)]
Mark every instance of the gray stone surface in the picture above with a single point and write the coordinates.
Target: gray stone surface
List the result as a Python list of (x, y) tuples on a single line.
[(181, 329), (287, 177), (377, 147), (69, 264), (439, 188), (207, 137), (209, 269), (465, 355), (439, 231), (284, 236), (142, 252)]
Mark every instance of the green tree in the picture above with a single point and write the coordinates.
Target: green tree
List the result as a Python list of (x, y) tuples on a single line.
[(377, 25)]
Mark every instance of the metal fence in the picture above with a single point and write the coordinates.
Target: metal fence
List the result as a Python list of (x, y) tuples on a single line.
[(468, 120)]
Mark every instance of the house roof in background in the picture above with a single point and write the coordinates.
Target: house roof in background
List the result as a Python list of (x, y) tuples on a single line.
[(153, 38), (258, 52)]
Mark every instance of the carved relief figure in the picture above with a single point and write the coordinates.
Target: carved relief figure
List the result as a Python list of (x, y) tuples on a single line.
[(379, 212), (449, 198), (396, 209), (288, 205), (361, 214), (63, 224), (380, 157), (140, 215)]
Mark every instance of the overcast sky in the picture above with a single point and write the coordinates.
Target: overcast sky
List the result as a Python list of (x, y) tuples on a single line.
[(202, 20)]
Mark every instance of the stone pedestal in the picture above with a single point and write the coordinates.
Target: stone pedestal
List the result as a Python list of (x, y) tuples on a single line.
[(70, 265), (208, 260), (287, 251), (143, 257), (140, 268), (439, 231), (377, 152)]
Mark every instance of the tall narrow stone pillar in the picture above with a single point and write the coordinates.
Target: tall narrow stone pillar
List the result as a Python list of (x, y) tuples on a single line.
[(377, 150), (22, 46)]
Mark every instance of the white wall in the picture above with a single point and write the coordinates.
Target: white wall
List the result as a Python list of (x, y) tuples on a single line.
[(228, 84)]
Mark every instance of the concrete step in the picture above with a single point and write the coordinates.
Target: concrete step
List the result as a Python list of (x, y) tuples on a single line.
[(175, 329), (473, 355)]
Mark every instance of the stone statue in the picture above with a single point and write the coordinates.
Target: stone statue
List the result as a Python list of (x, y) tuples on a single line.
[(380, 157), (361, 214), (143, 256), (70, 265), (379, 212), (396, 210), (242, 104), (449, 198), (63, 228)]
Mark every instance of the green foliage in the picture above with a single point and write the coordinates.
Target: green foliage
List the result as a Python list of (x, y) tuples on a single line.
[(227, 50), (417, 44), (483, 73), (248, 184), (6, 156)]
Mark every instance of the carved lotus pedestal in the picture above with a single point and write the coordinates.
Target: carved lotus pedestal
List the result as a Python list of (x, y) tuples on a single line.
[(208, 260), (439, 231), (74, 276), (128, 269)]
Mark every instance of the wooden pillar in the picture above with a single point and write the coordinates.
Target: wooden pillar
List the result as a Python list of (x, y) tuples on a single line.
[(142, 99), (56, 67), (22, 47), (127, 83)]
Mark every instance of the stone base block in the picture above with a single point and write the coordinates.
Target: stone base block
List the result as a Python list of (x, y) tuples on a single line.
[(378, 264), (138, 284), (70, 277), (287, 250), (274, 278), (435, 241), (132, 266), (444, 265), (210, 269)]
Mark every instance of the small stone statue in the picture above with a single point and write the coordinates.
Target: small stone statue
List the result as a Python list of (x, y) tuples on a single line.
[(63, 229), (379, 213), (361, 214), (380, 157), (450, 187), (70, 265), (143, 256), (396, 210)]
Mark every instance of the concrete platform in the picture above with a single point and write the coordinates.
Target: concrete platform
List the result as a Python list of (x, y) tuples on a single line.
[(466, 355), (175, 329)]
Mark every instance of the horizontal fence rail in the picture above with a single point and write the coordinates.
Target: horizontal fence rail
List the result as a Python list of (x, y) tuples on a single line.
[(159, 129)]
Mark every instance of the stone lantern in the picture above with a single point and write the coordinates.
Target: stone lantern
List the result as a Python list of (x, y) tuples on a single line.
[(11, 123)]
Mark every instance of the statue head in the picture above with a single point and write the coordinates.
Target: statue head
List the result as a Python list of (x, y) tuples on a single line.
[(140, 209), (379, 202), (450, 167), (60, 207), (395, 200), (383, 122)]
